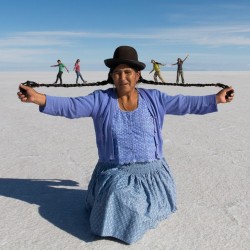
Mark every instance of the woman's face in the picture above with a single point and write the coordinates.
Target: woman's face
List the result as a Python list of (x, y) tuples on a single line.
[(125, 78)]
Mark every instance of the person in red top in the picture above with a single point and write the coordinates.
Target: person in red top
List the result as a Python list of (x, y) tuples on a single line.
[(77, 70)]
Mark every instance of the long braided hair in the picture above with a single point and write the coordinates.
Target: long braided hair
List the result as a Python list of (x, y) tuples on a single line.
[(109, 80)]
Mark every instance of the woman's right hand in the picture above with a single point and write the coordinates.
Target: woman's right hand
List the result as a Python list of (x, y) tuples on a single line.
[(29, 95)]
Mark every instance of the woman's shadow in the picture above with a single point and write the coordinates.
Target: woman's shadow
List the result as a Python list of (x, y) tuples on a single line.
[(60, 202)]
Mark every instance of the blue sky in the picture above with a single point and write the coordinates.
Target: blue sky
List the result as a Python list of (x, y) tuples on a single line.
[(34, 34)]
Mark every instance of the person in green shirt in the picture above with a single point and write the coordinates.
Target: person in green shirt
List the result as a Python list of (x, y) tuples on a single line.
[(156, 68), (60, 72)]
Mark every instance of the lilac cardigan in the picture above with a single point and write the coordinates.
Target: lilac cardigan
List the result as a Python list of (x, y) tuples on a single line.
[(100, 106)]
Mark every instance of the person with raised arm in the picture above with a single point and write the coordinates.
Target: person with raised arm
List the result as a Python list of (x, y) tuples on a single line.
[(180, 72)]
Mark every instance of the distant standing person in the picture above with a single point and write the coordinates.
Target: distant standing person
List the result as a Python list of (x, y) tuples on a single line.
[(60, 72), (77, 70), (180, 69), (156, 68)]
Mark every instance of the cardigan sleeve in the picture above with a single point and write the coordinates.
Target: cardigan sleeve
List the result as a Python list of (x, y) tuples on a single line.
[(181, 105), (69, 107)]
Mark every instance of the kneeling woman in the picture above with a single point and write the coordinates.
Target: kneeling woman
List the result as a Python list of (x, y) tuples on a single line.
[(131, 188)]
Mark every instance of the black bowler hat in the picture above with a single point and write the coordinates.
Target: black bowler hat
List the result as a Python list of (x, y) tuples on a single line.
[(125, 55)]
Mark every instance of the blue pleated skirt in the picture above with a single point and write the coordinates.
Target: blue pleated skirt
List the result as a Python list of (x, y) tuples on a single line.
[(125, 201)]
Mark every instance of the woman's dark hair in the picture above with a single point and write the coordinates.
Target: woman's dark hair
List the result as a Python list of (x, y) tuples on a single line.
[(110, 79)]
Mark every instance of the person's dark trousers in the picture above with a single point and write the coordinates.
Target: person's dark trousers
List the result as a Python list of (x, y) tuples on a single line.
[(180, 73), (59, 76)]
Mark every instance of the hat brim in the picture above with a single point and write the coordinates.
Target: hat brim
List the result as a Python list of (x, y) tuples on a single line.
[(112, 63)]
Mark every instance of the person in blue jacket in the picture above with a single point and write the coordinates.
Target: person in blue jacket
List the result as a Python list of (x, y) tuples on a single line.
[(131, 188)]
